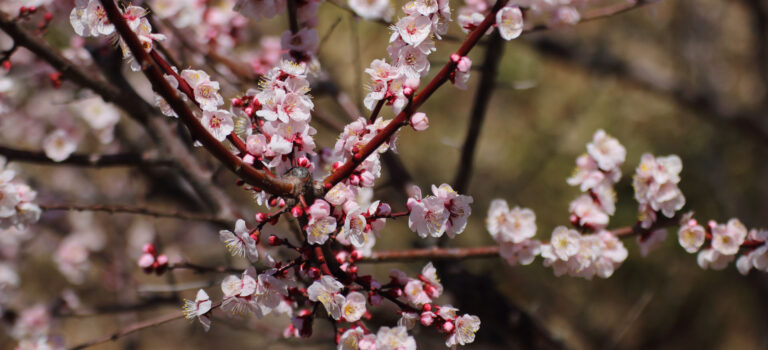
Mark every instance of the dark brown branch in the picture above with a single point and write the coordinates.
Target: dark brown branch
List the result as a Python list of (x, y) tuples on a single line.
[(87, 160), (125, 209), (203, 269), (493, 53), (249, 174)]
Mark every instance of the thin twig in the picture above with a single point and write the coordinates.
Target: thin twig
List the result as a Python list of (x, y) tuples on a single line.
[(125, 209), (135, 328)]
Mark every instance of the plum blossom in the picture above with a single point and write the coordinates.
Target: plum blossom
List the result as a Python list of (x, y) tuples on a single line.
[(206, 91), (354, 306), (395, 338), (327, 290), (372, 9), (510, 22), (444, 212), (691, 236), (513, 226), (465, 328), (320, 225), (522, 253), (58, 145), (218, 123), (199, 308), (583, 256), (726, 239), (419, 121), (712, 259), (656, 190), (240, 243), (606, 151)]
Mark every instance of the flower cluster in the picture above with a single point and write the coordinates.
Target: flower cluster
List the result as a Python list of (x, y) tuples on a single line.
[(89, 18), (279, 114), (583, 256), (443, 212), (513, 230), (16, 197), (410, 44), (723, 242), (327, 291), (260, 294), (354, 137), (656, 191), (596, 173)]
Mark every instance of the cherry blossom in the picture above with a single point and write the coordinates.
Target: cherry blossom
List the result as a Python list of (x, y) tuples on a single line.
[(395, 338), (199, 308), (240, 243), (510, 22)]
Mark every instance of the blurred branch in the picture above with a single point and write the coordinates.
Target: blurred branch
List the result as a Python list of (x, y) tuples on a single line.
[(87, 160), (124, 209), (493, 54), (135, 328), (203, 269), (138, 109), (604, 63), (758, 10)]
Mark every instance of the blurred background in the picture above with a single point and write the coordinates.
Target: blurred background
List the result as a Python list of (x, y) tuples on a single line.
[(685, 77)]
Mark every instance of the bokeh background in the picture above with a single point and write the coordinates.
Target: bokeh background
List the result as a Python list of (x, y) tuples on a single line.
[(685, 77)]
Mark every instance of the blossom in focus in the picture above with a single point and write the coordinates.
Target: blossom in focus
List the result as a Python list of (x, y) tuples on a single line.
[(199, 308), (240, 242)]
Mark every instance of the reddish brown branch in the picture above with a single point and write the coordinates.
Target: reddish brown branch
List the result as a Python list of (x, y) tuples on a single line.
[(401, 119), (125, 209), (249, 174)]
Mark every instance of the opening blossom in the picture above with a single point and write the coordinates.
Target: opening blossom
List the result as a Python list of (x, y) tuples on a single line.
[(199, 308), (240, 242)]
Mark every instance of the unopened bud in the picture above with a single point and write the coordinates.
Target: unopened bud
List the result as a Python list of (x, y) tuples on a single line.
[(275, 241)]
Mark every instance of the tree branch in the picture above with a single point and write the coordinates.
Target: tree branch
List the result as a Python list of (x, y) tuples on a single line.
[(133, 328), (124, 209), (86, 160), (402, 118), (251, 175)]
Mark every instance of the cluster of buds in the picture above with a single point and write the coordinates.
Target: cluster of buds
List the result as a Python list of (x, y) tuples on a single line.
[(151, 261)]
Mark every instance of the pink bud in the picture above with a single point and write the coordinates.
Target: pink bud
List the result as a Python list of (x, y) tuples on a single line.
[(297, 211), (236, 102), (448, 327), (354, 180), (162, 259), (427, 318), (384, 209), (260, 217), (249, 111), (146, 261), (149, 248), (304, 162), (275, 241), (341, 257), (356, 255), (455, 58), (248, 159), (464, 64), (419, 121), (408, 91), (314, 273)]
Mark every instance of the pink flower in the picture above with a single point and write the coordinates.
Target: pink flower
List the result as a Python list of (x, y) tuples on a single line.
[(218, 123), (419, 121), (510, 22)]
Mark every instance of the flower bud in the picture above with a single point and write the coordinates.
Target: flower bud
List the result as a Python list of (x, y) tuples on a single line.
[(275, 241), (260, 217), (448, 327), (419, 121)]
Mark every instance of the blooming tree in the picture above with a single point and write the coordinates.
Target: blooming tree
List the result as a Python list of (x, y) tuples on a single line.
[(320, 219)]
